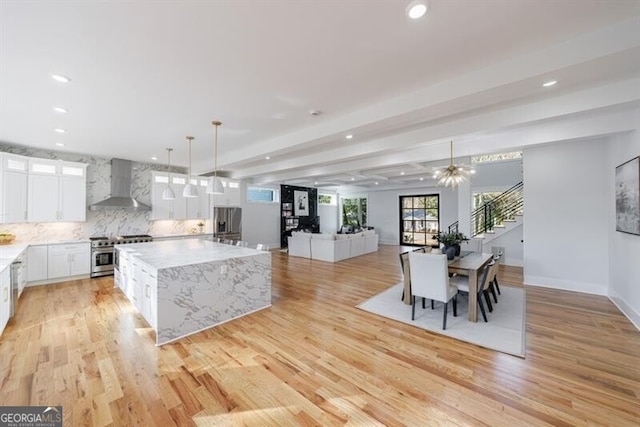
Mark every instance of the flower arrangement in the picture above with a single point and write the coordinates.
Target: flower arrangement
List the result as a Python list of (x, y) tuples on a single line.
[(450, 238)]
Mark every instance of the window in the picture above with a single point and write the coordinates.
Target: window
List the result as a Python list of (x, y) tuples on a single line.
[(419, 219), (496, 157), (354, 211), (326, 199), (262, 195)]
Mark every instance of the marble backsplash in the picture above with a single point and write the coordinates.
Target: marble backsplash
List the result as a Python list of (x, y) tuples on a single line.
[(99, 223)]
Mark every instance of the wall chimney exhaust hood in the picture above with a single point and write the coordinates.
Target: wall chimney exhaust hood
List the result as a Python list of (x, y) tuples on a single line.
[(120, 190)]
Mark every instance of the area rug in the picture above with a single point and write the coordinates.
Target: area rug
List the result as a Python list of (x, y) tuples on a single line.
[(504, 332)]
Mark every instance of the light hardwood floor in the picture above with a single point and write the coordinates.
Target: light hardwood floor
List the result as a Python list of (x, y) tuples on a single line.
[(315, 359)]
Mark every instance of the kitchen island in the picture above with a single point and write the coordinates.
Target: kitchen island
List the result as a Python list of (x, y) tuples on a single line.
[(185, 286)]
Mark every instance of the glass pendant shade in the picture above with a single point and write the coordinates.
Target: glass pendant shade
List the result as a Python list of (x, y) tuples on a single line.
[(190, 190), (453, 175), (214, 186), (168, 193)]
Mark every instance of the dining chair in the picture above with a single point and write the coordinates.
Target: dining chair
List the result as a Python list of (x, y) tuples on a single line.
[(462, 283), (228, 242), (242, 244), (406, 274), (430, 279), (497, 258), (262, 247)]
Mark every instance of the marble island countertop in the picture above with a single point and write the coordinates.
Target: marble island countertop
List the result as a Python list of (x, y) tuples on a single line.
[(175, 253)]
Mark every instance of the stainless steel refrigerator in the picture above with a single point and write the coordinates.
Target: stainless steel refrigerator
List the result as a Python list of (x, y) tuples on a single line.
[(227, 223)]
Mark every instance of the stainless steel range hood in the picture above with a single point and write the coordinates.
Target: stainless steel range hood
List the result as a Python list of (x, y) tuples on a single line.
[(120, 190)]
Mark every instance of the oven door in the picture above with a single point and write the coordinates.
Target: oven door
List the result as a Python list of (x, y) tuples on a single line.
[(101, 261)]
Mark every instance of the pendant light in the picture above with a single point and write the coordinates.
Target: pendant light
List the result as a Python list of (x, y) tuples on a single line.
[(168, 193), (214, 186), (453, 174), (190, 190)]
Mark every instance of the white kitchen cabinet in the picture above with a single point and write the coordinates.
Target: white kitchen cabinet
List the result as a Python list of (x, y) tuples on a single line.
[(37, 263), (168, 209), (57, 191), (13, 206), (231, 195), (66, 260), (5, 297), (199, 207)]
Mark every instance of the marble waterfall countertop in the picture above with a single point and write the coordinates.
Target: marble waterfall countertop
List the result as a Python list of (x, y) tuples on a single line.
[(177, 253), (185, 286)]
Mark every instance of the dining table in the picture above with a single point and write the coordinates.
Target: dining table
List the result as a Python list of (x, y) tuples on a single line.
[(467, 264)]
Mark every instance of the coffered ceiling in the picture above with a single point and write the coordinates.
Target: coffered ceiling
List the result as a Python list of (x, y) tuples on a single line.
[(146, 74)]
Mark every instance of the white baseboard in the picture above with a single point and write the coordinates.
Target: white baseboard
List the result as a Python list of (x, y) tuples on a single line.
[(514, 262), (566, 285), (629, 312)]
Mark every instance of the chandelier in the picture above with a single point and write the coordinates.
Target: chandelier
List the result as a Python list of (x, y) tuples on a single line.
[(453, 174), (214, 186)]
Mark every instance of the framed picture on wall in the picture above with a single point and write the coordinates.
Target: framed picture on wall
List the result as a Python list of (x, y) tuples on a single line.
[(628, 197), (300, 203)]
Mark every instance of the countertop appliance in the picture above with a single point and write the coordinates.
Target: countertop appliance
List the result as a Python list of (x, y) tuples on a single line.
[(227, 223), (102, 251)]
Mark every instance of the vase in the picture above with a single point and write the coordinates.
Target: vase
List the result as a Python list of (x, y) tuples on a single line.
[(457, 247), (450, 251)]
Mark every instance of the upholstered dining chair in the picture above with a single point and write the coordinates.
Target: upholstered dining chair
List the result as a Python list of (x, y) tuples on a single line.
[(430, 279), (497, 258), (462, 283)]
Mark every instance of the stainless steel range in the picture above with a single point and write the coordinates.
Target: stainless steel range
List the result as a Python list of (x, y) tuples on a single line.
[(102, 251)]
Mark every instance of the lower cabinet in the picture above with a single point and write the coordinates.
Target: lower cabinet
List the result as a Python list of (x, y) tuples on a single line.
[(46, 262), (37, 263), (5, 297), (139, 283)]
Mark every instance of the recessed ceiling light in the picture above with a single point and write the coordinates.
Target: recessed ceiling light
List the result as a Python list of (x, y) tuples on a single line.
[(315, 112), (421, 179), (376, 183), (550, 83), (267, 158), (60, 110), (315, 183), (402, 173), (416, 9), (349, 136), (353, 179), (60, 78), (60, 130), (154, 157), (60, 144)]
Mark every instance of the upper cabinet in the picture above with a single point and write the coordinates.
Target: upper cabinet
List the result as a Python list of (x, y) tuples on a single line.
[(13, 179), (57, 191), (181, 207), (168, 209), (231, 196), (199, 207)]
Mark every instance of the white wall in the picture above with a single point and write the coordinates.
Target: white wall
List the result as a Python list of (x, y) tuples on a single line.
[(566, 209), (502, 175), (384, 210), (624, 249)]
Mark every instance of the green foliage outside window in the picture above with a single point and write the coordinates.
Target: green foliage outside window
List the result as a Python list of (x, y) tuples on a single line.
[(354, 212)]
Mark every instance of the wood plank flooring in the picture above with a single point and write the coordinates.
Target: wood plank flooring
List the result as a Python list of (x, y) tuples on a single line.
[(315, 359)]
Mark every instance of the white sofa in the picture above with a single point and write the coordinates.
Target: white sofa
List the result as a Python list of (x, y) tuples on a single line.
[(332, 247), (300, 244)]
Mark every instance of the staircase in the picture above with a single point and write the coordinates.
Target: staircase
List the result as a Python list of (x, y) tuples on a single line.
[(497, 216)]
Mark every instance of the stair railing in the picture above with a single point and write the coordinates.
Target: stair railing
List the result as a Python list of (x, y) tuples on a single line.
[(495, 212)]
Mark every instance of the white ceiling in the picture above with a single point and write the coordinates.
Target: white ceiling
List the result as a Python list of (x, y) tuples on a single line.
[(146, 74)]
